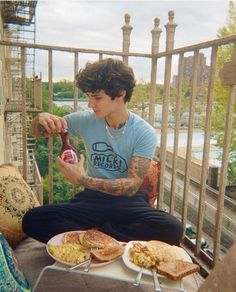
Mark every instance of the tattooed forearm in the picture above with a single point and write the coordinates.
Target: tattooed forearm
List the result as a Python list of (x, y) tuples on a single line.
[(139, 167), (122, 186), (115, 187)]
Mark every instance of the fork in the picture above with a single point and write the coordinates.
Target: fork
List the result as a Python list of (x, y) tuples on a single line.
[(79, 265), (138, 278), (86, 268), (157, 286)]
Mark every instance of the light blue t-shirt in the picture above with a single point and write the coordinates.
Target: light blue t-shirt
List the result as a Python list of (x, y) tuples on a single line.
[(110, 151)]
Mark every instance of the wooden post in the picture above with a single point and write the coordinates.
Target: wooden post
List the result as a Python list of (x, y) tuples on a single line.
[(170, 31), (156, 32), (126, 37)]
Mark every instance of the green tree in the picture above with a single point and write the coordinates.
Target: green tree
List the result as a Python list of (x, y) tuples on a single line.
[(139, 102), (140, 99), (221, 94), (63, 86), (185, 100)]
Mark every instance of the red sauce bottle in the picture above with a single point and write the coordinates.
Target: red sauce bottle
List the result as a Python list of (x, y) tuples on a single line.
[(68, 152)]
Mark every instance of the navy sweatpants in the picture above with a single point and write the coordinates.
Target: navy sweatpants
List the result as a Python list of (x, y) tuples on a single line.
[(124, 218)]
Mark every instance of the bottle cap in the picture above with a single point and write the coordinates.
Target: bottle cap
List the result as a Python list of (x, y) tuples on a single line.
[(64, 130)]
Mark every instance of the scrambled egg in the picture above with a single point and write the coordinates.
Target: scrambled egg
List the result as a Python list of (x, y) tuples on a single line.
[(141, 256), (69, 253)]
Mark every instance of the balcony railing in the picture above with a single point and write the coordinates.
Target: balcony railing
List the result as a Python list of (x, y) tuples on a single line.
[(181, 192)]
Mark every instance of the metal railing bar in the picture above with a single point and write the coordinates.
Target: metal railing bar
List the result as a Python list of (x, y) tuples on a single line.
[(165, 105), (199, 46), (75, 88), (72, 50), (203, 45), (190, 137), (206, 148), (176, 133), (23, 116), (223, 172), (50, 138)]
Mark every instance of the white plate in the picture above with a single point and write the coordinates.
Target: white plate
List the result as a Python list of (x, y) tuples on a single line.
[(136, 268), (59, 239)]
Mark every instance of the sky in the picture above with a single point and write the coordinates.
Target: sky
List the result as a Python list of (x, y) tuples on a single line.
[(97, 25)]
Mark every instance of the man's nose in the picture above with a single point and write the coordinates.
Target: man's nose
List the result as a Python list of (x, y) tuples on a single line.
[(90, 103)]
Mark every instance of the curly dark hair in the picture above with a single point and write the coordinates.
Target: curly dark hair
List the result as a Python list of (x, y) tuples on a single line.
[(110, 75)]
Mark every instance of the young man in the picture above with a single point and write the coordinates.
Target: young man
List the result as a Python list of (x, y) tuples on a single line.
[(120, 146)]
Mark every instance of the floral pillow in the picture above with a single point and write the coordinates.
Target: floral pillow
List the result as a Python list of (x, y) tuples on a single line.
[(16, 198), (11, 277), (151, 181)]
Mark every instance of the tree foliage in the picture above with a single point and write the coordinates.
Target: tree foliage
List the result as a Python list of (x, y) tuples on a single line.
[(221, 94), (64, 89), (139, 102), (140, 99)]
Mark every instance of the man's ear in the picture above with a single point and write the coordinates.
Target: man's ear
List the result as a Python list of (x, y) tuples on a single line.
[(122, 94)]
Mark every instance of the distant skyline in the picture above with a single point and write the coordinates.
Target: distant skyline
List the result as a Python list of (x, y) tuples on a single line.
[(97, 25)]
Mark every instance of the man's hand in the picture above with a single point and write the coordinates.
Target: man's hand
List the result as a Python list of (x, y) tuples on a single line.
[(72, 172), (46, 124)]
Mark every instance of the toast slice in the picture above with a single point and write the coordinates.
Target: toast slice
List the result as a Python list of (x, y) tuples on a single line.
[(177, 269), (108, 253)]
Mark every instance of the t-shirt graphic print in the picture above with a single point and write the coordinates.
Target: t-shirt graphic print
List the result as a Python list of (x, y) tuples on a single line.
[(104, 157)]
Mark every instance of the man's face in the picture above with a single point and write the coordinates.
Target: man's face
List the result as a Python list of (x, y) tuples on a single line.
[(102, 104)]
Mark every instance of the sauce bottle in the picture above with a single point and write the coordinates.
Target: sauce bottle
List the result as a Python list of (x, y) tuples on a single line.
[(68, 152)]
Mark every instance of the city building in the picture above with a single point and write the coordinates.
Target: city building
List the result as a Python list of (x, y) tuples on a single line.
[(202, 76)]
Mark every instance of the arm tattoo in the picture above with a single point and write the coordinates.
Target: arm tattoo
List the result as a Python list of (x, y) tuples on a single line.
[(121, 186)]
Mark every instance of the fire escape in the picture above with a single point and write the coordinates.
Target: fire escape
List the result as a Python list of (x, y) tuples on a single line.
[(23, 98)]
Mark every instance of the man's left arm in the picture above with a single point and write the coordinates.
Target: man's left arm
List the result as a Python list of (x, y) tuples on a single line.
[(121, 186)]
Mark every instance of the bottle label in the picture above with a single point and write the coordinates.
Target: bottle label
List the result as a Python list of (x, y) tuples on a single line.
[(69, 156)]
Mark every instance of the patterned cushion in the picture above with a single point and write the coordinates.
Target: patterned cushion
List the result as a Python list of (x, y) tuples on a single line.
[(151, 181), (16, 198), (11, 277)]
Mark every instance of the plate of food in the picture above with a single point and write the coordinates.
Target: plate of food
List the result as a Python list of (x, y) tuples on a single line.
[(167, 260), (75, 247)]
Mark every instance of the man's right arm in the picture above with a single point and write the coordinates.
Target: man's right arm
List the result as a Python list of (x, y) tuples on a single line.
[(46, 124)]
